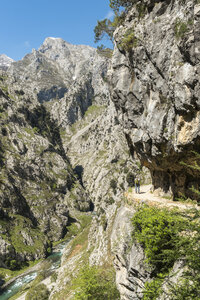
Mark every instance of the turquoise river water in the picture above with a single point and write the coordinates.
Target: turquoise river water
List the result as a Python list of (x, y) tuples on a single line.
[(20, 282)]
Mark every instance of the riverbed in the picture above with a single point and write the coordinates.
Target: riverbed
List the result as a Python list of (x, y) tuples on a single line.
[(18, 283)]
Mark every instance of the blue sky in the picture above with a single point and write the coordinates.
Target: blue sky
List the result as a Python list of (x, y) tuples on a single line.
[(24, 24)]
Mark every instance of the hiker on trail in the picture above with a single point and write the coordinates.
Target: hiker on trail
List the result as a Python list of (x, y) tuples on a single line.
[(137, 185)]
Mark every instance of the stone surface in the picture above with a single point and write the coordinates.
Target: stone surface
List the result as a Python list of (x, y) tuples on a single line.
[(131, 273), (5, 62), (62, 146), (155, 89)]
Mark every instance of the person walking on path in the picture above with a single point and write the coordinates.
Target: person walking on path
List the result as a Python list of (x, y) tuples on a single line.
[(137, 185)]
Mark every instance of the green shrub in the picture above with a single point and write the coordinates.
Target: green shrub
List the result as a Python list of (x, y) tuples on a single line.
[(129, 40), (95, 283), (13, 264), (186, 289), (141, 8), (158, 232), (153, 289), (121, 186), (117, 4), (113, 184), (167, 236), (54, 277), (110, 201), (40, 292), (126, 169), (181, 27)]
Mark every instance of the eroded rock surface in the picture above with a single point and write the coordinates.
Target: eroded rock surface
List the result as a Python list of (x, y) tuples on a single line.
[(5, 62), (155, 88), (36, 178)]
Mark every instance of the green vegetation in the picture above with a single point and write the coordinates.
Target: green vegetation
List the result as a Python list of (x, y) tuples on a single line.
[(106, 27), (110, 201), (77, 250), (103, 221), (181, 28), (40, 292), (129, 40), (157, 231), (141, 8), (24, 225), (94, 110), (167, 236), (194, 165), (153, 289), (80, 230), (7, 274), (165, 130), (96, 283), (103, 28), (113, 184), (117, 4)]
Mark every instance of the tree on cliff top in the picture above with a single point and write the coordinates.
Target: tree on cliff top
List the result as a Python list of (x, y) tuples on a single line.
[(103, 28), (106, 27), (117, 4)]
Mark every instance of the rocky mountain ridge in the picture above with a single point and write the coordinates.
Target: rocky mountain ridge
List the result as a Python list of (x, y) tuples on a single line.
[(62, 146), (70, 109), (5, 61), (154, 86)]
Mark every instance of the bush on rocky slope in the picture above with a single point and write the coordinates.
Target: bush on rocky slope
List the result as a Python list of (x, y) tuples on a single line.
[(39, 292), (169, 236), (94, 282)]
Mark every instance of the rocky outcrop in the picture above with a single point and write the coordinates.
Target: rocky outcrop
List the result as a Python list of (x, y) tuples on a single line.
[(59, 70), (71, 83), (62, 147), (5, 62), (37, 180), (154, 84), (99, 153), (131, 272)]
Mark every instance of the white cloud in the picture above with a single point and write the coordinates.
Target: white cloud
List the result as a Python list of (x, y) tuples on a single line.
[(109, 15), (27, 44)]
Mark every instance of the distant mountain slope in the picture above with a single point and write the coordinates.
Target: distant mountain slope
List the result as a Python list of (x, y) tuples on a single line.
[(5, 61)]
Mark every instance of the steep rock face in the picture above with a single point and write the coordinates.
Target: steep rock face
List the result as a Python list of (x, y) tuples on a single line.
[(36, 178), (59, 70), (62, 146), (131, 271), (99, 153), (155, 89), (71, 82)]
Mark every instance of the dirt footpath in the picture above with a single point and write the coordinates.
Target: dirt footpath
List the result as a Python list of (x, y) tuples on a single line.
[(148, 197)]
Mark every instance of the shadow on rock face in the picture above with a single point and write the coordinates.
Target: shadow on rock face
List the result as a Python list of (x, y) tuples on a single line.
[(79, 172)]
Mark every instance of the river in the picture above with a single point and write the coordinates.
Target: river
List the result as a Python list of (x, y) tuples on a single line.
[(14, 287)]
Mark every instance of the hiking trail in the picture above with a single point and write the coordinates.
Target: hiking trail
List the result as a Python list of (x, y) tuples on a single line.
[(147, 196)]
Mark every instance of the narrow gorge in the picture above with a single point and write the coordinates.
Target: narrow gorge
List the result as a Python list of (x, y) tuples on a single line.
[(78, 126)]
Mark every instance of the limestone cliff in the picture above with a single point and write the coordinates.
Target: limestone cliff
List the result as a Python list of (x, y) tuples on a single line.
[(62, 147), (154, 84), (72, 125), (5, 62), (36, 178)]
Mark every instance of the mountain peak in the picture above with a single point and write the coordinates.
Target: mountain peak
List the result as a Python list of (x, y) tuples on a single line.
[(54, 42), (5, 61)]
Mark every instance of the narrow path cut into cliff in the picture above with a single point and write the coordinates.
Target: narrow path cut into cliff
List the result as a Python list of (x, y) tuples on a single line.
[(147, 196)]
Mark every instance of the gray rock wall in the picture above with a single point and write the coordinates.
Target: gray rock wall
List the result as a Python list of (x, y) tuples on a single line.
[(36, 178), (155, 89)]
